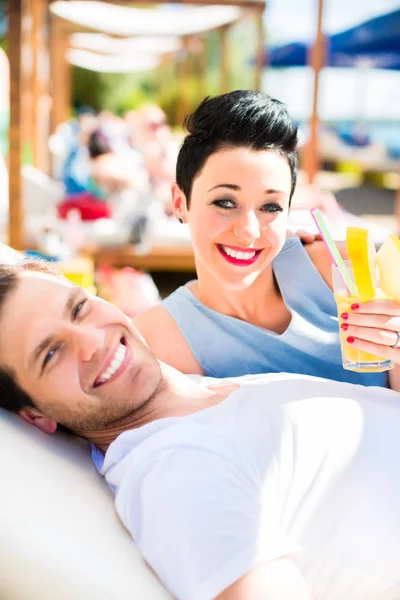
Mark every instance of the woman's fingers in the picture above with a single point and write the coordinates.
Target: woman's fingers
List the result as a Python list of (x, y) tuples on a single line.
[(377, 307), (372, 327), (382, 337), (377, 321), (376, 349)]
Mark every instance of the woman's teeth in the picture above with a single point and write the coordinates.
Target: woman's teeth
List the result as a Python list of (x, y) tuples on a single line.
[(243, 255), (115, 363)]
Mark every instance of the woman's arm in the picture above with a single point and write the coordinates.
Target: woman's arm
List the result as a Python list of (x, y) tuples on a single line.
[(322, 260), (165, 340)]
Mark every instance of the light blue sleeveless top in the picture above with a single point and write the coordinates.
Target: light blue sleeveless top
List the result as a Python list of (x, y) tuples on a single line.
[(225, 346)]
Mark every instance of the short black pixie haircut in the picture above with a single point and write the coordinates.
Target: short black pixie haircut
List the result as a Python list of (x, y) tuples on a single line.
[(243, 118)]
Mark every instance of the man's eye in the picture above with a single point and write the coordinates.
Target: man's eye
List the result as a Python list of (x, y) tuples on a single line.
[(272, 208), (49, 356), (78, 309), (229, 204)]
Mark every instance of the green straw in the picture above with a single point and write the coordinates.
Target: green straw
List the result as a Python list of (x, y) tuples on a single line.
[(333, 251)]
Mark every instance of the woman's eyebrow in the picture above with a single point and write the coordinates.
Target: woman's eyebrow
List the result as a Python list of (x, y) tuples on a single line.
[(230, 186), (237, 188), (276, 192)]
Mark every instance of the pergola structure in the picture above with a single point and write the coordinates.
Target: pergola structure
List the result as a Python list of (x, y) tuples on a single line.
[(39, 34)]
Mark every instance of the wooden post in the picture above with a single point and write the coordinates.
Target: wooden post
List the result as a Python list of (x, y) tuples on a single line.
[(317, 61), (26, 82), (16, 14), (67, 98), (60, 73), (259, 49), (224, 64), (40, 86)]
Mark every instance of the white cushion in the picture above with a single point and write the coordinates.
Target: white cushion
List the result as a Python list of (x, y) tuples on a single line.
[(41, 194), (60, 537)]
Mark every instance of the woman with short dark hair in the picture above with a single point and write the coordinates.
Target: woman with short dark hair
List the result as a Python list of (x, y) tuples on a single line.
[(262, 302)]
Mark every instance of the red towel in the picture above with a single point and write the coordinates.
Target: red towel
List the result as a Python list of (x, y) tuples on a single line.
[(90, 207)]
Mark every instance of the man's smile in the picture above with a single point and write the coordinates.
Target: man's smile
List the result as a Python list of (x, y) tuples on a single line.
[(114, 364)]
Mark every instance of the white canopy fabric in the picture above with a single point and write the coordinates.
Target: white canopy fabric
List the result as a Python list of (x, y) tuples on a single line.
[(112, 63), (176, 20), (105, 44)]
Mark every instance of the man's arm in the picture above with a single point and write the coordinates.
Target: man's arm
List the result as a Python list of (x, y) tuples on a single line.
[(278, 580)]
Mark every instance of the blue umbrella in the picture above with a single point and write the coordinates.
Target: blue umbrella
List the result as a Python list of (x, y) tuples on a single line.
[(296, 55), (290, 55), (372, 44), (381, 34)]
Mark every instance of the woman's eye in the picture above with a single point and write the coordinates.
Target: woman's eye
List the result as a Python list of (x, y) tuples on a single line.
[(49, 356), (78, 309), (229, 204), (272, 208)]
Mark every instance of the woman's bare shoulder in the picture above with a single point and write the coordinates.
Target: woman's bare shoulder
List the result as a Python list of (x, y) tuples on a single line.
[(165, 339), (322, 259)]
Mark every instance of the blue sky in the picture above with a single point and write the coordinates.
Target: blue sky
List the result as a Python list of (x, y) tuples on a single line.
[(289, 20)]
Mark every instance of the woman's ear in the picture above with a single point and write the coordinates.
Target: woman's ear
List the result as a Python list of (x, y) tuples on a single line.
[(33, 417), (179, 206)]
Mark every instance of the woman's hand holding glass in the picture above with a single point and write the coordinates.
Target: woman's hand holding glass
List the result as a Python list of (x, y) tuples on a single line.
[(373, 327)]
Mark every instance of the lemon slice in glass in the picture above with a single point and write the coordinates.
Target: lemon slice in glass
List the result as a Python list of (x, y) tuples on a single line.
[(362, 255), (388, 261)]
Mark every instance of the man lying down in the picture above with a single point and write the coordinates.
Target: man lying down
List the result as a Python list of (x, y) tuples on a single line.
[(268, 487)]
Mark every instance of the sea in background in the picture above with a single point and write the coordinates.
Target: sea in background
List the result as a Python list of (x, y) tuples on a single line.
[(375, 132), (349, 99)]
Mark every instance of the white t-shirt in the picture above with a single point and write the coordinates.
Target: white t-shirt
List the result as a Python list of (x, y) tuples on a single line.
[(286, 465)]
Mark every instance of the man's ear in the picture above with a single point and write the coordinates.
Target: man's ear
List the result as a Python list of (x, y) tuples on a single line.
[(32, 416), (178, 201)]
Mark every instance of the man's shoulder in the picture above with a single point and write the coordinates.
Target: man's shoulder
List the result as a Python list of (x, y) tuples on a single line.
[(164, 441)]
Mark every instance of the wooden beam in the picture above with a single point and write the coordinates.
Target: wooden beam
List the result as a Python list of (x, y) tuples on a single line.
[(40, 86), (60, 73), (317, 62), (259, 49), (16, 10), (243, 3), (160, 258)]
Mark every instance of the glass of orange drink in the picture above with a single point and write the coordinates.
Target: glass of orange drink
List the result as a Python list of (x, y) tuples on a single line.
[(354, 359)]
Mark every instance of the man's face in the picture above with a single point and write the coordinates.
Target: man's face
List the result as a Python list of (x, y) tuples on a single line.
[(77, 356)]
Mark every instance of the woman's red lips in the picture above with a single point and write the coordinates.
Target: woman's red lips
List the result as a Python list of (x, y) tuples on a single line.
[(242, 262)]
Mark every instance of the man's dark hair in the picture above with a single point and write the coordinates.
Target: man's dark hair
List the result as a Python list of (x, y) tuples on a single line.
[(241, 118), (12, 396)]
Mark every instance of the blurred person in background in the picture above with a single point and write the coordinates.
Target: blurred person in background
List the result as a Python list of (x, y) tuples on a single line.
[(123, 181), (152, 136), (261, 302), (75, 172)]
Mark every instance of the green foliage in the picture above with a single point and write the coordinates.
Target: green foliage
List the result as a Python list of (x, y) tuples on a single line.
[(87, 88)]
